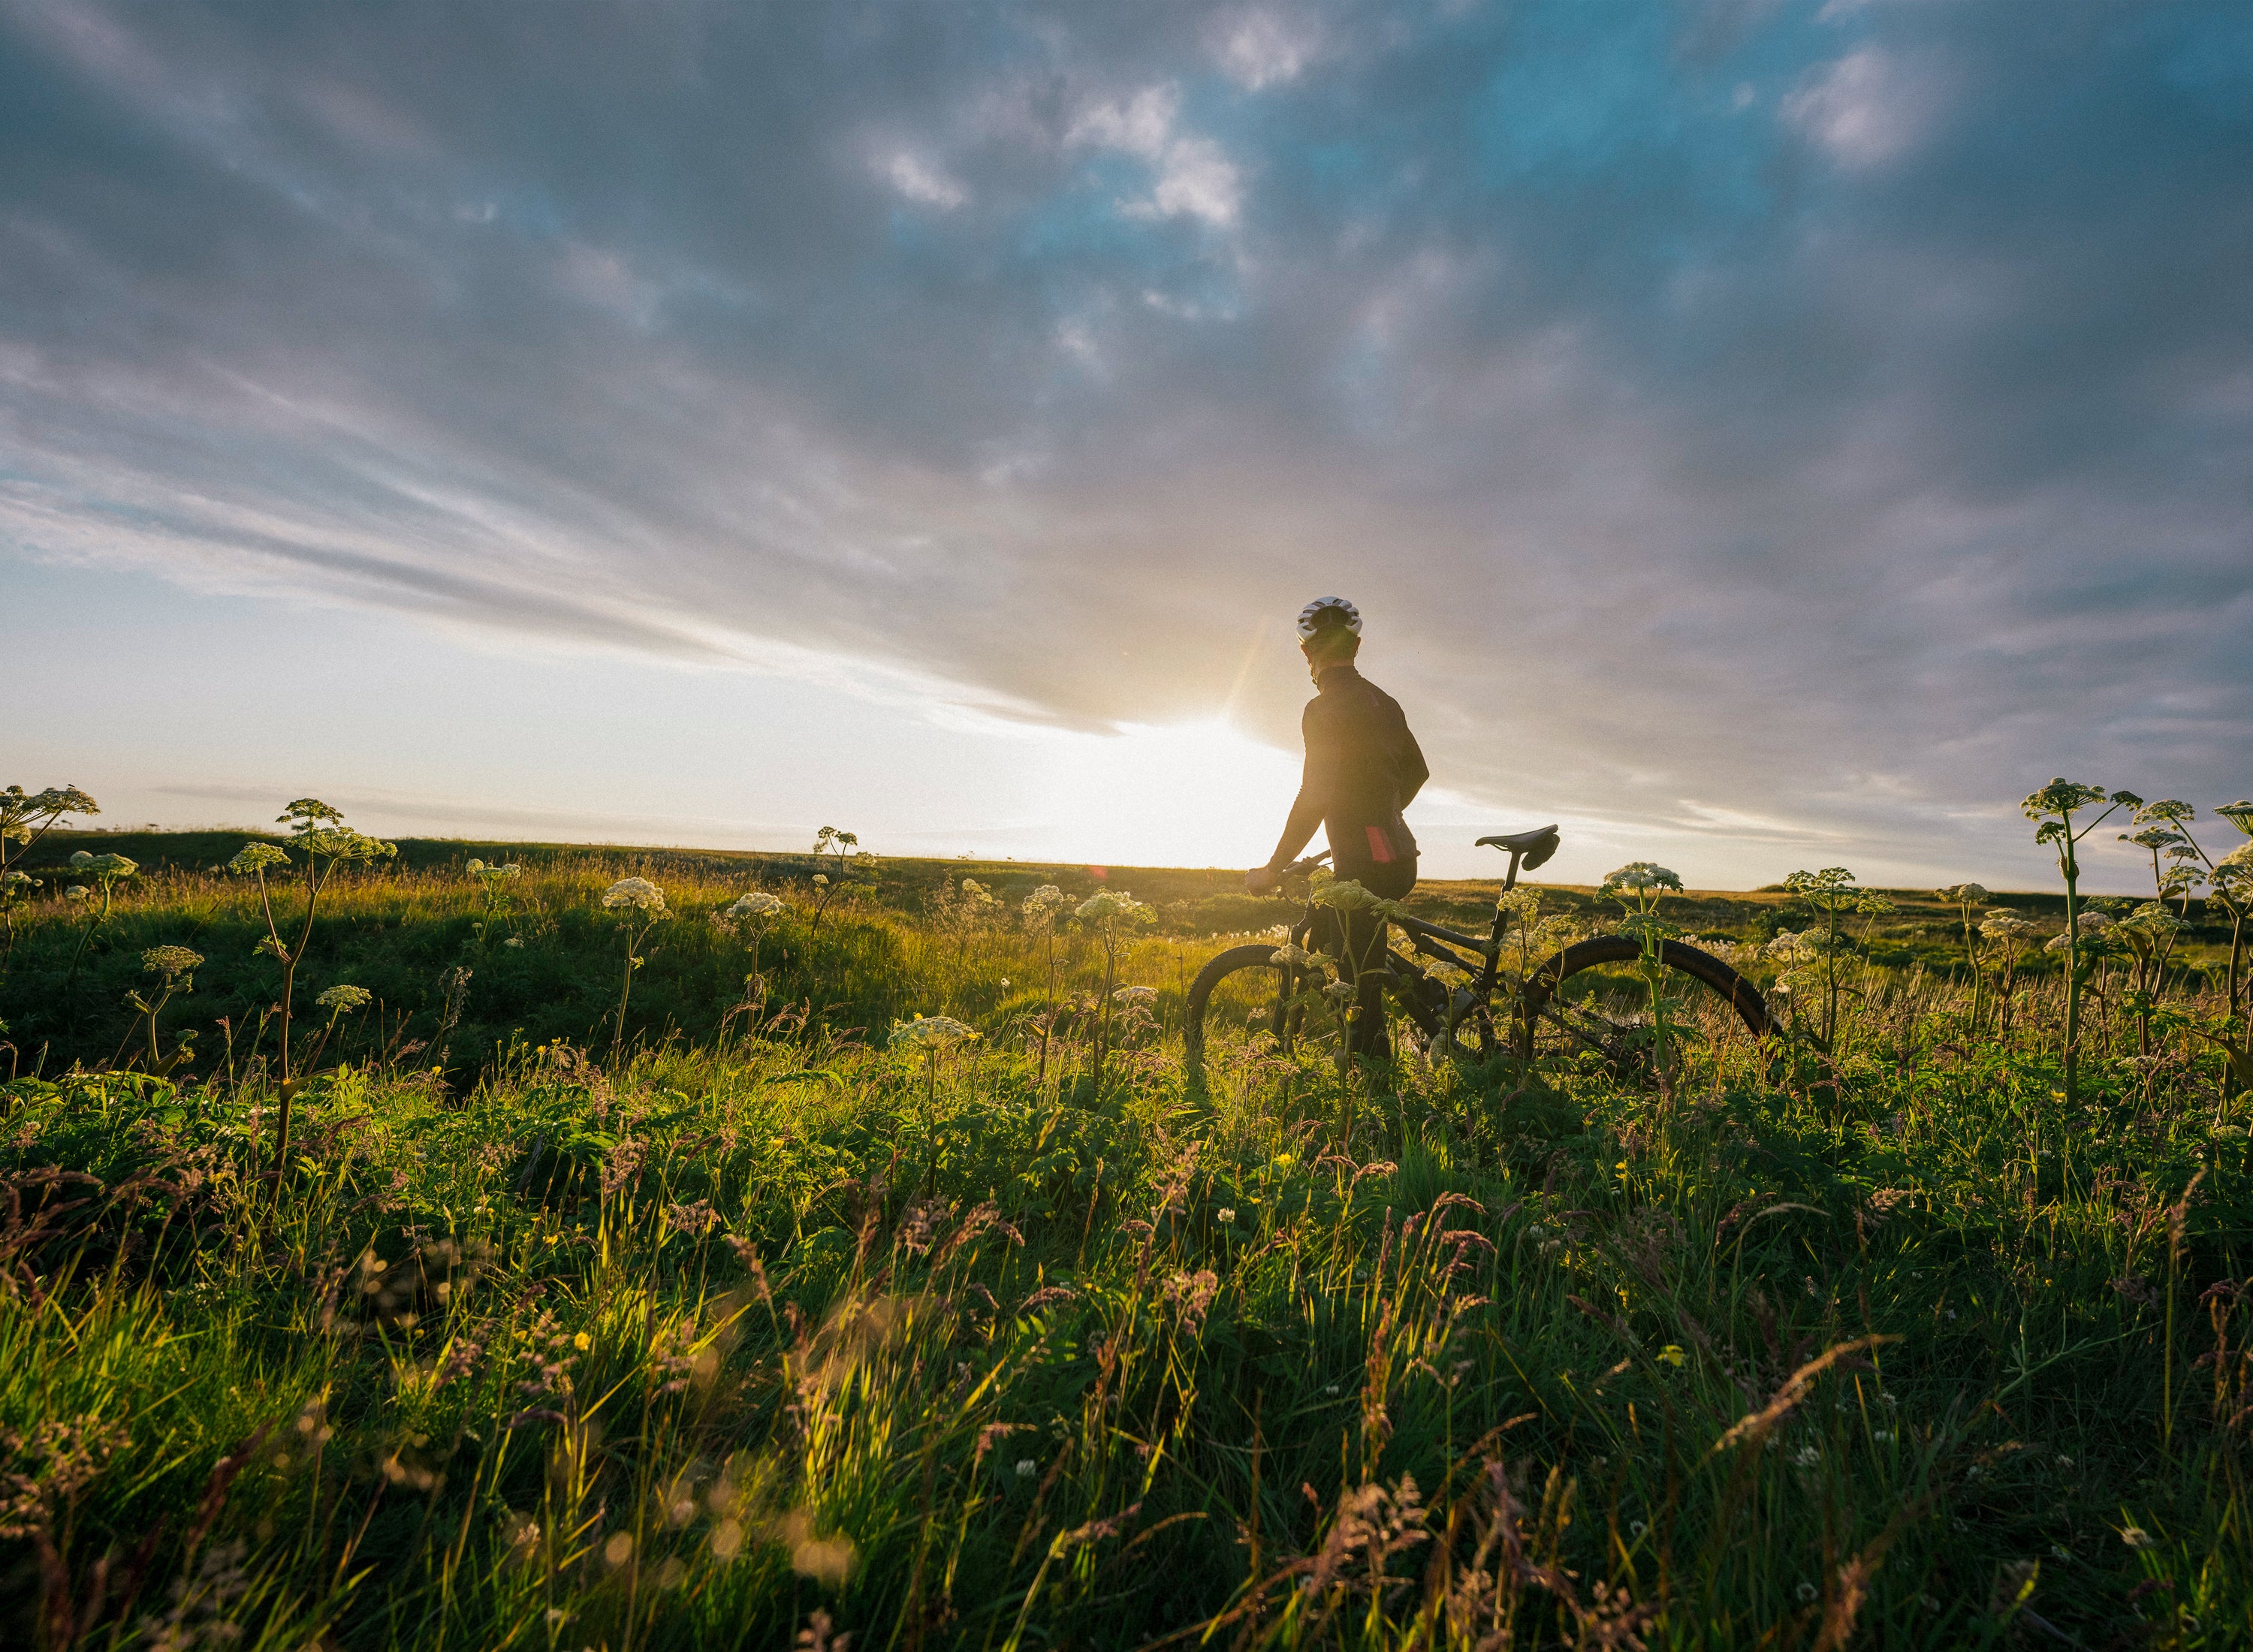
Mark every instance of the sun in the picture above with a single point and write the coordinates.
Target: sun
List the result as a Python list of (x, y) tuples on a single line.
[(1175, 794)]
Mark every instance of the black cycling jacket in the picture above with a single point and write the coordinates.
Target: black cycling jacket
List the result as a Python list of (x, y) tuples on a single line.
[(1362, 768)]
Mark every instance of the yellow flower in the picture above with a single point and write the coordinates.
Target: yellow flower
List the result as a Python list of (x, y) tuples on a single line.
[(583, 1342)]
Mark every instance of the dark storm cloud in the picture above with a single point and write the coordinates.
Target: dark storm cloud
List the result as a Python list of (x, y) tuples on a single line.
[(1762, 417)]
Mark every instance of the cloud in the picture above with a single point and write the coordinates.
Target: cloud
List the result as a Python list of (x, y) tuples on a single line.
[(918, 180), (1763, 421), (1262, 48), (1192, 175), (1867, 107)]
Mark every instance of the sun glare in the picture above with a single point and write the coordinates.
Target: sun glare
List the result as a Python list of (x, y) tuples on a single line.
[(1179, 794)]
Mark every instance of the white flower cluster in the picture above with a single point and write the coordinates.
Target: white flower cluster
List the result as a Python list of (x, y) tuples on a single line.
[(342, 999), (758, 904), (932, 1033), (638, 893), (1640, 876), (2007, 927), (169, 961), (1106, 904)]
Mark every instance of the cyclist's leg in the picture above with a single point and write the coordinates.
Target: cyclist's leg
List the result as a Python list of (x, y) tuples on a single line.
[(1363, 961)]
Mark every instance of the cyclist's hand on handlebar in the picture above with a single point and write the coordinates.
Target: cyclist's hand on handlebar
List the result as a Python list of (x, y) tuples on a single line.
[(1262, 879)]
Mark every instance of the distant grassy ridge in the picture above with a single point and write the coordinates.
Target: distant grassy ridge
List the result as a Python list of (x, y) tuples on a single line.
[(403, 927)]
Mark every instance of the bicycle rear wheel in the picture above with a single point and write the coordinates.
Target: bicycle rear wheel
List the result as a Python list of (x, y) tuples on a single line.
[(1541, 987)]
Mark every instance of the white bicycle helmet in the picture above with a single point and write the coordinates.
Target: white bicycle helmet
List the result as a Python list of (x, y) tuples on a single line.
[(1312, 617)]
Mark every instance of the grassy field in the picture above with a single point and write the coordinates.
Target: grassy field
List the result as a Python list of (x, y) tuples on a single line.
[(729, 1320)]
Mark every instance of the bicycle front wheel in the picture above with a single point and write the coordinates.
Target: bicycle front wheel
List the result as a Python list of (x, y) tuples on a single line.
[(1541, 987), (1244, 988)]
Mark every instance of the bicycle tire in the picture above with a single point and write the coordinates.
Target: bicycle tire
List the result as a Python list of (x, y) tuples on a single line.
[(1703, 967), (1218, 968)]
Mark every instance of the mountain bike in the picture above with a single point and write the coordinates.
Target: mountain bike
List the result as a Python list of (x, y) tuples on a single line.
[(1480, 1012)]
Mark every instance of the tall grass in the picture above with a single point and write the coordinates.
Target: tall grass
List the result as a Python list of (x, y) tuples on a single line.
[(760, 1334)]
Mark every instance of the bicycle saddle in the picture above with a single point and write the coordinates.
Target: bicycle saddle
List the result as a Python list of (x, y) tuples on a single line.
[(1536, 846)]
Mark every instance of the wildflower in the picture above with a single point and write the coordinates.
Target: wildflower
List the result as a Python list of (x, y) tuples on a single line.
[(1338, 991), (513, 940), (1640, 876), (932, 1033), (1110, 903), (1136, 995), (169, 961), (1807, 1456), (639, 893), (2239, 814), (344, 999), (2005, 925), (81, 858), (1225, 1214), (1027, 1468), (1673, 1355), (76, 892), (583, 1342), (2093, 921), (255, 857), (1343, 894), (758, 904), (1295, 957), (1961, 893), (2137, 1538), (474, 867)]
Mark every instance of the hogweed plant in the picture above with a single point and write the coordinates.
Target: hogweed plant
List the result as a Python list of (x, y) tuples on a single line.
[(829, 842), (339, 1001), (641, 905), (15, 888), (2148, 935), (1348, 901), (2011, 934), (1637, 887), (1833, 893), (1964, 897), (2052, 809), (318, 835), (175, 968), (1107, 912), (930, 1036), (108, 871), (27, 816), (750, 916), (493, 884), (2166, 837), (1040, 913)]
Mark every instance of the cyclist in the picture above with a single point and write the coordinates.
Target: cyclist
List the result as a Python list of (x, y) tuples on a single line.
[(1362, 768)]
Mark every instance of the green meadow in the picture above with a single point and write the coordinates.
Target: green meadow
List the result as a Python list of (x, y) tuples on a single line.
[(730, 1316)]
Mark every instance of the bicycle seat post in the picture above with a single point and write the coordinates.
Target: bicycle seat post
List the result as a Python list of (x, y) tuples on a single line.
[(1511, 882)]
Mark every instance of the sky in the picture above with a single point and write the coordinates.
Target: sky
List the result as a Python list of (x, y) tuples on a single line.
[(1758, 434)]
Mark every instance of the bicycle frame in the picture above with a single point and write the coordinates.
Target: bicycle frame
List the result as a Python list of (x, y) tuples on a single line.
[(1434, 941)]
